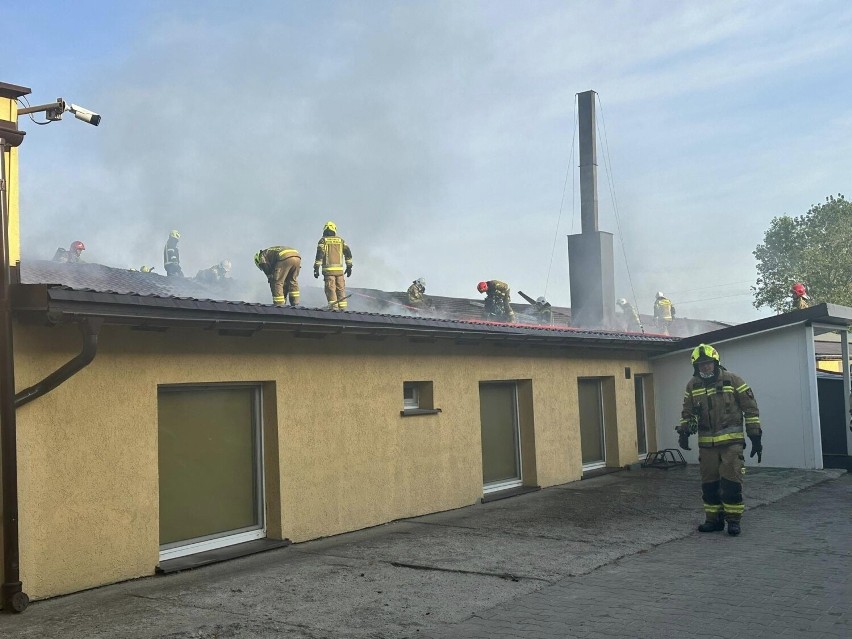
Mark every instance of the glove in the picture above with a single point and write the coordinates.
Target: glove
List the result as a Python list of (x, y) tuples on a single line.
[(316, 272), (683, 441), (756, 447), (348, 271)]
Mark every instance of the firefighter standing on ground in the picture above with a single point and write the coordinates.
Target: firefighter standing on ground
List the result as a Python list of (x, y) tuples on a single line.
[(72, 255), (171, 256), (281, 265), (497, 301), (800, 296), (664, 312), (631, 317), (335, 259), (715, 404)]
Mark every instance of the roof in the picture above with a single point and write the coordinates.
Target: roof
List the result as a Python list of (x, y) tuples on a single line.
[(53, 292), (827, 314), (12, 91)]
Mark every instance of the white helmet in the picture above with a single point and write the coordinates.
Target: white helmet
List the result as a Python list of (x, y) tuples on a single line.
[(622, 302), (660, 295), (225, 265), (421, 282), (541, 300)]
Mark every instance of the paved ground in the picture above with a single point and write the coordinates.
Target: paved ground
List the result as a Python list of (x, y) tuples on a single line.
[(615, 556)]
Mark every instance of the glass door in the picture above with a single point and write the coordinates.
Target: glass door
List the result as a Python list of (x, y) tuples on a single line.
[(590, 397), (501, 458)]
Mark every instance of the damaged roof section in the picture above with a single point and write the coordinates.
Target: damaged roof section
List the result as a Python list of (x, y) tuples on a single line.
[(54, 293)]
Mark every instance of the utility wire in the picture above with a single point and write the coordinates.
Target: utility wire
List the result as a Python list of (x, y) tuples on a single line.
[(568, 172), (610, 181), (26, 104)]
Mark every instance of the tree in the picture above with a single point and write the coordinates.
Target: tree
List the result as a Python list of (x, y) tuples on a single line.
[(814, 249)]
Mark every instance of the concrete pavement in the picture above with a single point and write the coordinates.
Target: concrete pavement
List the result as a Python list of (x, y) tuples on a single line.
[(614, 556)]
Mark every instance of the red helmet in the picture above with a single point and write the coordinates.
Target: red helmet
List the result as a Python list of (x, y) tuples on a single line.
[(78, 246), (482, 287), (799, 289)]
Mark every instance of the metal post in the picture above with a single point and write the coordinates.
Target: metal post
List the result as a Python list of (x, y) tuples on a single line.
[(13, 598)]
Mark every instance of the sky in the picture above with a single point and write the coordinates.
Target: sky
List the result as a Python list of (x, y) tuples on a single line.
[(438, 136)]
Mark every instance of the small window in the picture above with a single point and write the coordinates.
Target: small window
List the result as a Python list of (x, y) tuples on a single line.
[(418, 399)]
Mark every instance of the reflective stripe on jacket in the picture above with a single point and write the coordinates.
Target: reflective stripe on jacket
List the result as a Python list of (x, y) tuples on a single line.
[(274, 254), (333, 255), (720, 407), (664, 309)]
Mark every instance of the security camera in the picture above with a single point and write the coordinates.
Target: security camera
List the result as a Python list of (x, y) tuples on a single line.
[(84, 114)]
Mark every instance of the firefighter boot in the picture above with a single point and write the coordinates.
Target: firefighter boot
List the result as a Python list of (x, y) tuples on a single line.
[(713, 524), (733, 528)]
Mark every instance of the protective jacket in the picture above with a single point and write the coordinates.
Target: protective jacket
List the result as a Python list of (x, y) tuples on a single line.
[(800, 303), (664, 309), (333, 255), (497, 301), (281, 265), (271, 256), (631, 317), (171, 257), (415, 294), (66, 256), (719, 406)]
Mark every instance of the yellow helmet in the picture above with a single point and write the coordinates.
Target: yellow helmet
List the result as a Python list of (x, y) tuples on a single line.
[(175, 234), (257, 258), (330, 226), (705, 353)]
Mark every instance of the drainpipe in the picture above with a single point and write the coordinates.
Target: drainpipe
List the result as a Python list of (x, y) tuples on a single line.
[(12, 597), (89, 327)]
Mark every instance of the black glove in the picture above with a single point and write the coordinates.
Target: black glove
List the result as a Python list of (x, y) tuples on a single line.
[(316, 272), (756, 447), (683, 441), (348, 271)]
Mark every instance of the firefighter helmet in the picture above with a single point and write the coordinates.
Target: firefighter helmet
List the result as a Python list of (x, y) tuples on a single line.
[(622, 302), (330, 226), (225, 265), (705, 353), (799, 289), (482, 287), (540, 300), (146, 269), (175, 235), (660, 295), (257, 258), (78, 246)]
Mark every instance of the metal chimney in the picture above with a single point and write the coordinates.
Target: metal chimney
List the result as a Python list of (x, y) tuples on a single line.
[(590, 254)]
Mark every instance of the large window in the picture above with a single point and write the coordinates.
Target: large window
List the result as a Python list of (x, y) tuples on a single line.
[(592, 443), (210, 452)]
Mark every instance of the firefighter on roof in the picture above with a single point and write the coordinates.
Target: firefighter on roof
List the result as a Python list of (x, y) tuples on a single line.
[(335, 260), (715, 405), (215, 273), (70, 256), (664, 312), (171, 256), (417, 293), (497, 301), (800, 296), (629, 315), (281, 265)]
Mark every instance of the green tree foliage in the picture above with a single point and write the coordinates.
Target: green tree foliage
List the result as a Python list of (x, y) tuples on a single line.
[(814, 249)]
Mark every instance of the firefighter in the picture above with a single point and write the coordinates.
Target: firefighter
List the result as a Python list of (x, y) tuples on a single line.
[(335, 259), (171, 256), (715, 405), (664, 312), (215, 273), (543, 311), (281, 265), (70, 256), (800, 296), (146, 269), (497, 301), (631, 317), (417, 293)]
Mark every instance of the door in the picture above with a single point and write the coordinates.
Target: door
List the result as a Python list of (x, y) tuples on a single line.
[(641, 416), (210, 465), (833, 421), (501, 458), (590, 399)]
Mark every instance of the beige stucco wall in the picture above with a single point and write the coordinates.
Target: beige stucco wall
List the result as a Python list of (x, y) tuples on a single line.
[(9, 111), (342, 457)]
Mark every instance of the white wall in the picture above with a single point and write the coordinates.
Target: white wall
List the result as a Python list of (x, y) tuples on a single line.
[(779, 366)]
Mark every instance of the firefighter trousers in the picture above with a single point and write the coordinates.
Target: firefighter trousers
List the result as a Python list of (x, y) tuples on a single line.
[(335, 291), (722, 481), (285, 281)]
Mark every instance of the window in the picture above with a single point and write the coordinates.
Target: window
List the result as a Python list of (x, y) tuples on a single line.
[(418, 399)]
